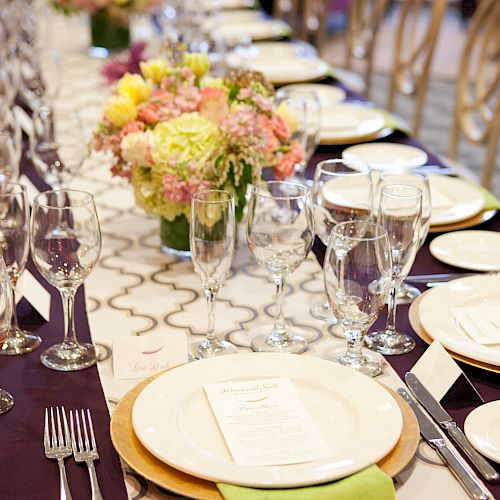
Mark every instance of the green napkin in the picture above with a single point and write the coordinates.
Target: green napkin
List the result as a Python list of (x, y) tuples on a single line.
[(490, 200), (369, 484)]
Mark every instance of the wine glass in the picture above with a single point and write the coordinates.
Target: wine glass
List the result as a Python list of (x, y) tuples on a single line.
[(342, 191), (407, 293), (357, 276), (14, 241), (9, 162), (280, 234), (212, 237), (6, 306), (65, 246), (400, 212)]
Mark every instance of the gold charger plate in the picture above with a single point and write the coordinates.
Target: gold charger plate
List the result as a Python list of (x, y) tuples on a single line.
[(479, 218), (380, 134), (138, 458), (415, 324)]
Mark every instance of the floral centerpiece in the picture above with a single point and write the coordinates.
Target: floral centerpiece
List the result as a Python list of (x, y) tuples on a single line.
[(174, 130)]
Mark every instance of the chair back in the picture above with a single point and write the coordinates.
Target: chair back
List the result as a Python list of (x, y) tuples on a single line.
[(288, 11), (314, 22)]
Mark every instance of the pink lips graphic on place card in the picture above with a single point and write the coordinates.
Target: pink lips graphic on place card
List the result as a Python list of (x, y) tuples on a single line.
[(154, 351)]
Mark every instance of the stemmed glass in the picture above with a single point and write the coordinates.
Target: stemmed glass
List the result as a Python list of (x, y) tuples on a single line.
[(406, 293), (9, 162), (6, 306), (65, 246), (212, 238), (400, 212), (342, 191), (357, 276), (14, 241), (280, 234)]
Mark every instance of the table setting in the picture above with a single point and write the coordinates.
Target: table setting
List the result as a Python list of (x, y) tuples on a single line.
[(286, 301)]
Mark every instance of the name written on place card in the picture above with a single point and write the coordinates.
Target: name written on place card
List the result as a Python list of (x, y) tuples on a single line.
[(264, 422), (140, 357)]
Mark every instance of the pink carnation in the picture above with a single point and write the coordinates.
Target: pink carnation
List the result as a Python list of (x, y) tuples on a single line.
[(180, 191), (286, 164), (281, 129)]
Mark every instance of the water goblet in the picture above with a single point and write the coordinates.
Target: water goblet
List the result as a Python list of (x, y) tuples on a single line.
[(357, 276), (407, 293), (14, 243), (280, 234), (65, 246), (400, 213), (342, 191), (6, 306), (212, 237)]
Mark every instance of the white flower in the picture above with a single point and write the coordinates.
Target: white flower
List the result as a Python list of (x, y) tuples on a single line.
[(136, 148)]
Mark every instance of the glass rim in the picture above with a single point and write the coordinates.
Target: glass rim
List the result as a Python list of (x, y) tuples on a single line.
[(386, 190), (194, 196), (319, 167), (266, 194), (66, 206), (382, 230)]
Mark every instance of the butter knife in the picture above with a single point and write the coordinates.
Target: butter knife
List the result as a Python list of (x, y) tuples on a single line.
[(470, 482), (445, 420)]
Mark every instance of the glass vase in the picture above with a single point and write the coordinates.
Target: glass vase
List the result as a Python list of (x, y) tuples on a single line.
[(108, 32), (174, 237)]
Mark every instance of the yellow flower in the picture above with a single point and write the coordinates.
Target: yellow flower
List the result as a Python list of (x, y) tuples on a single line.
[(213, 83), (135, 87), (120, 110), (290, 117), (197, 63), (154, 69)]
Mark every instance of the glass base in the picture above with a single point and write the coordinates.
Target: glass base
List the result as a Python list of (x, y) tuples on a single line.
[(389, 343), (20, 342), (207, 349), (291, 344), (369, 363), (6, 401), (69, 357), (407, 293), (321, 310)]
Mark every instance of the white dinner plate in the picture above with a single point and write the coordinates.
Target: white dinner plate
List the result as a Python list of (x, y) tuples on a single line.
[(438, 322), (327, 94), (282, 70), (474, 250), (357, 417), (231, 4), (453, 200), (256, 29), (482, 428), (386, 156), (346, 121)]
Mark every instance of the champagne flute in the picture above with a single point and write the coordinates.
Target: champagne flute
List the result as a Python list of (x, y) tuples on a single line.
[(280, 234), (6, 306), (400, 212), (342, 191), (14, 241), (407, 293), (212, 237), (357, 276), (65, 246)]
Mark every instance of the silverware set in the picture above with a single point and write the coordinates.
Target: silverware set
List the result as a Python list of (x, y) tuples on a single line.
[(62, 441)]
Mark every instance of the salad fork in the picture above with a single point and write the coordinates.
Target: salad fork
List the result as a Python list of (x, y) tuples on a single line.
[(56, 441), (85, 449)]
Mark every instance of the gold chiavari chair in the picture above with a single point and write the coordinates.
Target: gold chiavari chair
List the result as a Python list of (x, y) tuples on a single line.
[(477, 101), (289, 11), (314, 22), (415, 42), (365, 17)]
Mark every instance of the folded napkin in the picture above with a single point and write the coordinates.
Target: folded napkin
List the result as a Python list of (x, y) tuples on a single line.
[(369, 484), (481, 322)]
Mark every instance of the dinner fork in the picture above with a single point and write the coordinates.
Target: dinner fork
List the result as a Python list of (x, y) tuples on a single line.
[(85, 449), (57, 445)]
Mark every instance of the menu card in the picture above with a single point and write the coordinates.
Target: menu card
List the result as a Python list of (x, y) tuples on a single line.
[(264, 422)]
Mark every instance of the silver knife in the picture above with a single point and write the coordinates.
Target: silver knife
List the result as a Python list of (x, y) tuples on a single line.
[(439, 414), (470, 482), (434, 278)]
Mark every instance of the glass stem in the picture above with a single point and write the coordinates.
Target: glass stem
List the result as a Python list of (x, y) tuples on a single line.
[(354, 346), (14, 329), (279, 334), (390, 327), (211, 295), (68, 298)]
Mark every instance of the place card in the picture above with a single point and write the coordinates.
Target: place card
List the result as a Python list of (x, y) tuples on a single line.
[(140, 357), (264, 422), (443, 378), (35, 294)]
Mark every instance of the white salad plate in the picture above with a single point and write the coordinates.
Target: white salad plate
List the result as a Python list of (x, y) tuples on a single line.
[(482, 428), (453, 200), (386, 156), (436, 318), (473, 250), (327, 94), (256, 29), (357, 417)]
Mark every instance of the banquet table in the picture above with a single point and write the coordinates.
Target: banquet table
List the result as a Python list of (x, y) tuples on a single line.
[(137, 290)]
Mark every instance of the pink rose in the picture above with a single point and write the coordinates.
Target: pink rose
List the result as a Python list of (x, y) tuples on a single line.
[(271, 143), (148, 114), (286, 164)]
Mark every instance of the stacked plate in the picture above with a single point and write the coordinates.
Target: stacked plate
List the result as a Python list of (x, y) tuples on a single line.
[(176, 442)]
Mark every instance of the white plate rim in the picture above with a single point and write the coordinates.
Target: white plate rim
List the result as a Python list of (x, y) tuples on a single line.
[(337, 91), (436, 319), (462, 263), (473, 431), (271, 476)]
